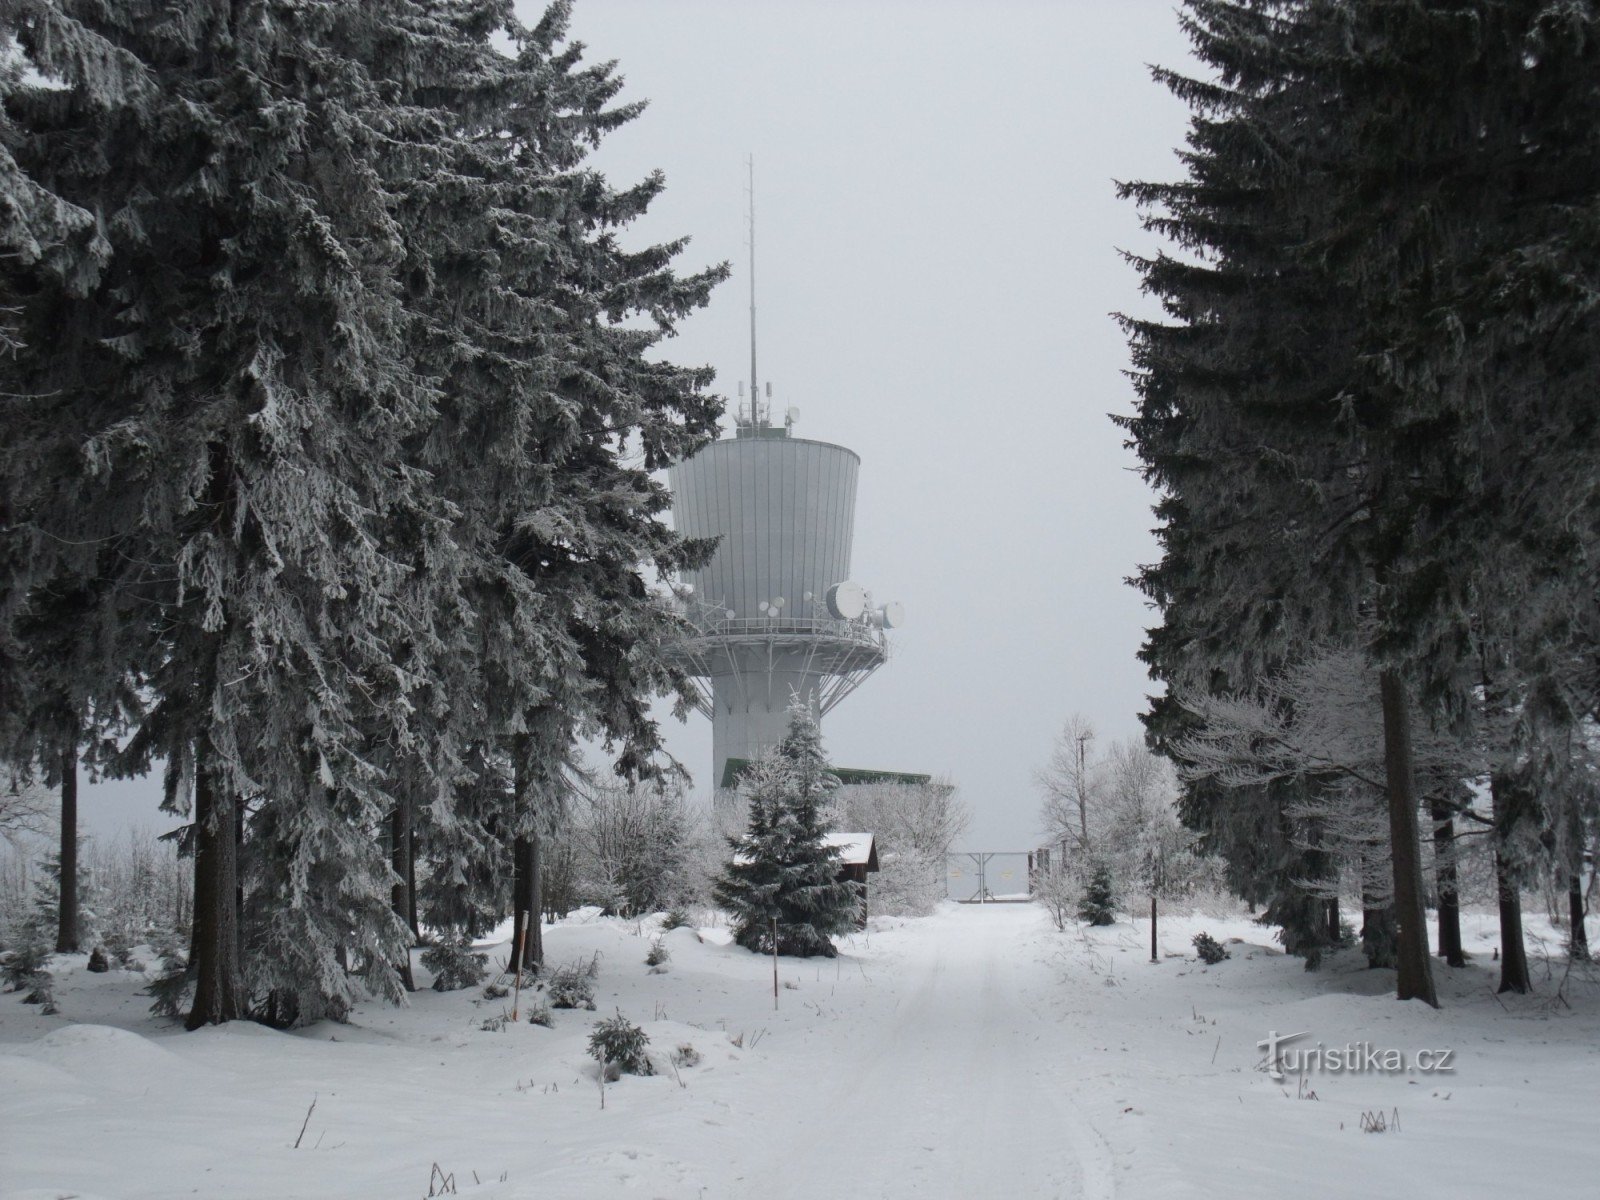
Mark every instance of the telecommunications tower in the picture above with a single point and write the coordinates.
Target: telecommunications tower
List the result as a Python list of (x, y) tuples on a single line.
[(775, 612)]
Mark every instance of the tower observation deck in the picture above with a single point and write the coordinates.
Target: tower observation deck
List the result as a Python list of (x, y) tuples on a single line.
[(775, 612)]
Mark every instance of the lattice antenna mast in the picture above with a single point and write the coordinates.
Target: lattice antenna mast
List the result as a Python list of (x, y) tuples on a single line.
[(755, 396)]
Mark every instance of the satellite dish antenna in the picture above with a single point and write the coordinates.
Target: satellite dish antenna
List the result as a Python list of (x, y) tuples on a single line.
[(893, 615), (807, 597), (763, 606), (847, 600), (730, 614), (779, 602)]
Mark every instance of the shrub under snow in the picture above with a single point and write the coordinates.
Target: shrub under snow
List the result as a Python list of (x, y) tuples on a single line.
[(618, 1040)]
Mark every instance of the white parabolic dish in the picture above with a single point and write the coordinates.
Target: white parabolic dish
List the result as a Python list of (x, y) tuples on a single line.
[(847, 600)]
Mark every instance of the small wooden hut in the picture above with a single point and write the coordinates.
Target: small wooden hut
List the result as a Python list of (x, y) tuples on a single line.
[(858, 857)]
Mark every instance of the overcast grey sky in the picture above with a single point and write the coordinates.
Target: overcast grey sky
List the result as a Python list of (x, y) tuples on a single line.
[(937, 238), (937, 259)]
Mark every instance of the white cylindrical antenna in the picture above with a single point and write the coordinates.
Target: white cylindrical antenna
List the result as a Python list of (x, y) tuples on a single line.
[(754, 394)]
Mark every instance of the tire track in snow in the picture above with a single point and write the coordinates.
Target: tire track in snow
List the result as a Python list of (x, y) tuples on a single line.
[(949, 1084)]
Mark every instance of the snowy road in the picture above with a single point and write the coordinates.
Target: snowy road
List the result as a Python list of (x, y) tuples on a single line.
[(974, 1054), (943, 1086)]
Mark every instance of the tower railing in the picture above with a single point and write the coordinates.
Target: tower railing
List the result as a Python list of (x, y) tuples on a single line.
[(858, 632), (743, 650)]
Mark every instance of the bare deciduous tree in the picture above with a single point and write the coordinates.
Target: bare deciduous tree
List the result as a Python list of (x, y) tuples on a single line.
[(632, 845), (1067, 782), (915, 824), (25, 808)]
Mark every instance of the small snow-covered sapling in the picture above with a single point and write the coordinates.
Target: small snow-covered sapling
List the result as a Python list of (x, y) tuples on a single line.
[(618, 1040)]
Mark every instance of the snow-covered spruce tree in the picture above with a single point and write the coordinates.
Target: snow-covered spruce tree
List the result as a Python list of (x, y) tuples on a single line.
[(389, 511), (45, 728), (783, 875), (751, 885), (27, 967), (1099, 903), (551, 420), (817, 905), (233, 399), (58, 657), (1537, 275), (1249, 568), (1388, 464), (1483, 394), (48, 899)]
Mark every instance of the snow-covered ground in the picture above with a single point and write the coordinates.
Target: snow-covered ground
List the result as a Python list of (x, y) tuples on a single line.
[(976, 1053)]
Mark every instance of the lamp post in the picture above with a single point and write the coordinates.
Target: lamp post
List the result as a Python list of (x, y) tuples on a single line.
[(1083, 801)]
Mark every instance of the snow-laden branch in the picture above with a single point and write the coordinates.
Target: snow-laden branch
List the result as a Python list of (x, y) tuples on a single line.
[(1319, 717)]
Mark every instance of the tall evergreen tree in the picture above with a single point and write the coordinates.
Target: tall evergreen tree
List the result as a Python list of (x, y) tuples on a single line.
[(1259, 502), (1367, 181), (323, 335), (64, 89), (550, 423)]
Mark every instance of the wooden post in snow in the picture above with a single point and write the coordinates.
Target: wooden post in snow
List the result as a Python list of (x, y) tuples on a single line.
[(774, 964), (522, 962)]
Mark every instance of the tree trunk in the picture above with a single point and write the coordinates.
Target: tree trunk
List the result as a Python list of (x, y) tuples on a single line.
[(67, 893), (1413, 967), (411, 885), (527, 898), (1444, 858), (217, 996), (238, 876), (536, 894), (1335, 928), (524, 916), (1578, 942), (400, 900), (1514, 975), (527, 886), (1503, 815)]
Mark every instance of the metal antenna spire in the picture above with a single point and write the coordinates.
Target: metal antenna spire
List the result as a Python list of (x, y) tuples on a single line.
[(755, 401)]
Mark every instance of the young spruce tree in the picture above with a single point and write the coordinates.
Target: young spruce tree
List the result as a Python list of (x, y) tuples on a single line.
[(784, 875)]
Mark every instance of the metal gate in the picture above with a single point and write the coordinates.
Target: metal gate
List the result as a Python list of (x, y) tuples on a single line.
[(989, 876)]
